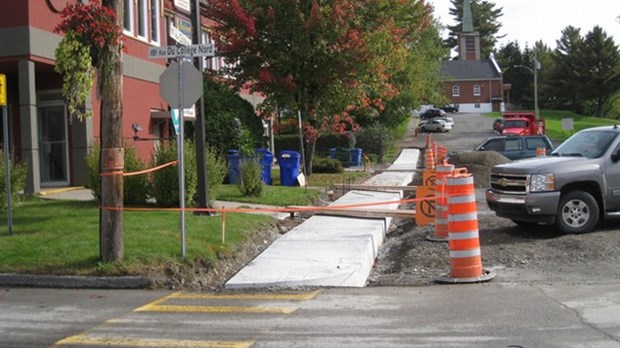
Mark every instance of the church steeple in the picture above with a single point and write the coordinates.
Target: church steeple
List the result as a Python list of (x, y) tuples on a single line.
[(469, 40), (468, 22)]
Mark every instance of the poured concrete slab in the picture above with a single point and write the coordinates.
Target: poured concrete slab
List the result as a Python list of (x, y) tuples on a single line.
[(330, 250)]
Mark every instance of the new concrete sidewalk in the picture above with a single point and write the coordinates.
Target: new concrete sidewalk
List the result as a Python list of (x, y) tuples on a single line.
[(331, 250)]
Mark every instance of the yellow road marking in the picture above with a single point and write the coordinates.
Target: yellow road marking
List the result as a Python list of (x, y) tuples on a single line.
[(262, 296), (158, 306), (137, 342), (215, 309)]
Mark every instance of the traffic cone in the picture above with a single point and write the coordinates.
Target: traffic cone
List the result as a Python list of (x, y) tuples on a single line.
[(441, 210), (463, 240)]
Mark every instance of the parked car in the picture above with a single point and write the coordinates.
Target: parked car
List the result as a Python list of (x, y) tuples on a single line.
[(446, 119), (431, 113), (453, 109), (516, 147), (435, 125)]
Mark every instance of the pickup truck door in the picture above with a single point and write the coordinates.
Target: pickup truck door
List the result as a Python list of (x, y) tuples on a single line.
[(613, 182), (513, 149)]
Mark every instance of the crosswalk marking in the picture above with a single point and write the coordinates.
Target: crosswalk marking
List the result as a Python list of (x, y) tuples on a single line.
[(156, 343), (90, 338), (159, 306)]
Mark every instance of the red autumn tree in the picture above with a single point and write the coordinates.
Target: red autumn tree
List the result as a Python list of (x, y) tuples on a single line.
[(321, 58)]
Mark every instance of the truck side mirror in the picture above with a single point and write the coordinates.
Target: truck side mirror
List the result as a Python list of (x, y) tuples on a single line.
[(615, 156)]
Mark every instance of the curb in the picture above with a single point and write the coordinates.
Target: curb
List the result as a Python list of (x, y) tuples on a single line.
[(74, 282)]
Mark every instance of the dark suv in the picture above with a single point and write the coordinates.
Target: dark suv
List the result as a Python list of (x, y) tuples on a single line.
[(432, 113), (516, 147)]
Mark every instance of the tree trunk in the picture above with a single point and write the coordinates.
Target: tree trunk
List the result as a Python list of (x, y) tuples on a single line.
[(111, 157)]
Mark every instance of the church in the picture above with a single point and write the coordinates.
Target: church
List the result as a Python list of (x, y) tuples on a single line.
[(472, 83)]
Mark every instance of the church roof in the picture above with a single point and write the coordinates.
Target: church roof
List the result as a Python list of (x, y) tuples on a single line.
[(470, 69)]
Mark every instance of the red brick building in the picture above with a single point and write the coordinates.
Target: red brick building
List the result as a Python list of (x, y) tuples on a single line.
[(41, 135)]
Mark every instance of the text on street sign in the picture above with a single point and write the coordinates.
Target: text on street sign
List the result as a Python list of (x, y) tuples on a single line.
[(182, 51)]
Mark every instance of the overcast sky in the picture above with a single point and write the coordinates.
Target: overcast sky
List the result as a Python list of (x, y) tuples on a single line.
[(528, 21)]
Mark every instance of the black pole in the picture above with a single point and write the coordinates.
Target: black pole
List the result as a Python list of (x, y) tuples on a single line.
[(199, 125)]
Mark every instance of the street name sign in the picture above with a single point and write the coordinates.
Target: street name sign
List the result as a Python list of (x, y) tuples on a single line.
[(201, 50)]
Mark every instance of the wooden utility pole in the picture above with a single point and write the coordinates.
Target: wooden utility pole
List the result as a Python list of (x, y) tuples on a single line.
[(112, 158)]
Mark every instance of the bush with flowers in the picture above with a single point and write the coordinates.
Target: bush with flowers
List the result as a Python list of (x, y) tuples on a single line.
[(93, 40)]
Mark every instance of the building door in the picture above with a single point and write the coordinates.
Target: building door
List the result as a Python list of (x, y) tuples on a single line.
[(53, 149)]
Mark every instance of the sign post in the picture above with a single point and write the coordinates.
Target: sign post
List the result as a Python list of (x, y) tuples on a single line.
[(181, 84), (5, 150)]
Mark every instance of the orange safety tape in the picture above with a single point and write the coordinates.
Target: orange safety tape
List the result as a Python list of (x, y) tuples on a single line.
[(276, 209), (120, 172)]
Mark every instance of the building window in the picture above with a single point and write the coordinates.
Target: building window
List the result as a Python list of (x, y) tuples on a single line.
[(141, 19), (128, 16), (476, 106), (211, 63), (154, 24), (477, 90), (456, 91)]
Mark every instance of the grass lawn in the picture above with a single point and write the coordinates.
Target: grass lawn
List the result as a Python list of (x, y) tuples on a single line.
[(62, 237), (553, 122)]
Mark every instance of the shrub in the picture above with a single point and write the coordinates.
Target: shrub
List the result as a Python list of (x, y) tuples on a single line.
[(326, 165), (251, 178), (165, 184), (216, 172), (135, 187), (375, 139), (18, 179)]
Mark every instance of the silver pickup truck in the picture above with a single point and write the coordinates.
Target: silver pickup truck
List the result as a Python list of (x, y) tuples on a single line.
[(573, 188)]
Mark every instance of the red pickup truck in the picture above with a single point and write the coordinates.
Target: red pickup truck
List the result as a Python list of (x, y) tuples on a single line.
[(522, 123)]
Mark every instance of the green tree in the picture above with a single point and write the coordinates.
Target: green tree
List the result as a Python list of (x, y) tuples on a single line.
[(485, 18), (564, 77), (509, 56), (598, 69), (223, 106)]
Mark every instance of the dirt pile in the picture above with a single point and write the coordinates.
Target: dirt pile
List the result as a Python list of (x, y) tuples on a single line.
[(479, 163)]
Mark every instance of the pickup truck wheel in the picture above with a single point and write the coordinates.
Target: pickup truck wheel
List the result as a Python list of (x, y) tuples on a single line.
[(578, 212)]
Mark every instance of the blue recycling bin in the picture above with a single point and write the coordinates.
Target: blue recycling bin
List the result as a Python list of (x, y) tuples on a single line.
[(341, 154), (289, 167), (356, 157), (234, 172), (265, 160)]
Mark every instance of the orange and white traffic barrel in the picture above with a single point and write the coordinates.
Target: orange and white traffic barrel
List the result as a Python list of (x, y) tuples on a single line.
[(441, 209), (463, 239)]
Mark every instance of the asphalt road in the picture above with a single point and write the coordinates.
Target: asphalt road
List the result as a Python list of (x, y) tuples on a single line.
[(478, 315), (501, 313)]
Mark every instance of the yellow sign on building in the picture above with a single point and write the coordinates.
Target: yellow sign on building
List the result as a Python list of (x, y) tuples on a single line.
[(2, 89)]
